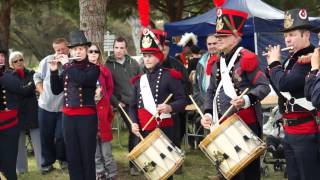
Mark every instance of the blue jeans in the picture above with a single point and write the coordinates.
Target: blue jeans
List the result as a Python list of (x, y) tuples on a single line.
[(22, 158), (52, 142)]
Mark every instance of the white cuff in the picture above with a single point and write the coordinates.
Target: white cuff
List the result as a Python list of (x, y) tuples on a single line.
[(246, 101)]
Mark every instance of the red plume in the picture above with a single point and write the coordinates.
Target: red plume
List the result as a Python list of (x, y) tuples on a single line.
[(143, 8), (218, 3)]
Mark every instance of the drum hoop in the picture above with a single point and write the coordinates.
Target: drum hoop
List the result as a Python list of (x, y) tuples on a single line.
[(173, 169), (257, 152), (145, 144), (214, 134)]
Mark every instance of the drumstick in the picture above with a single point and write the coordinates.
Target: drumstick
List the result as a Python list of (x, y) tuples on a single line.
[(165, 102), (130, 121), (231, 107), (197, 107), (283, 49)]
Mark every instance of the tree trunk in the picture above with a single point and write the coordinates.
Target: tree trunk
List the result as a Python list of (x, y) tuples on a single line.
[(93, 18), (5, 11), (175, 10), (135, 32)]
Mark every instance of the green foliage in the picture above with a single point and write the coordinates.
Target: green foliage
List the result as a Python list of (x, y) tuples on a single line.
[(312, 6), (34, 27), (159, 9)]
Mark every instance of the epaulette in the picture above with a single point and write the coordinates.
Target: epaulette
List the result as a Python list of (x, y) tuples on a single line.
[(174, 73), (248, 61), (135, 79)]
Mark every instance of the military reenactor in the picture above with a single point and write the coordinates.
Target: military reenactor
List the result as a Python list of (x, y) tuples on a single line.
[(153, 87), (179, 118), (312, 84), (288, 79), (78, 83), (235, 70), (123, 68), (11, 90)]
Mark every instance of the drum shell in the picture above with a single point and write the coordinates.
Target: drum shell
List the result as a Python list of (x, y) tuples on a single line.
[(149, 150), (214, 143)]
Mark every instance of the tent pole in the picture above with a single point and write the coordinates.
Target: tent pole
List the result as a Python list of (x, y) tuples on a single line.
[(255, 38)]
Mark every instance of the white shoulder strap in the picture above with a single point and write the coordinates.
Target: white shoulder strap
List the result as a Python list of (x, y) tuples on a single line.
[(147, 97), (225, 82)]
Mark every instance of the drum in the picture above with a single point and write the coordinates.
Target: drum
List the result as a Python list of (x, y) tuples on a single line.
[(157, 156), (232, 146)]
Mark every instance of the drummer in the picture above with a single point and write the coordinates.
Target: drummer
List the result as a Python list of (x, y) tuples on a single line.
[(153, 87), (300, 142), (244, 73)]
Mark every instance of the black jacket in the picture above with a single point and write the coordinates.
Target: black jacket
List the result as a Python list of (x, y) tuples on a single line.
[(78, 82), (28, 110)]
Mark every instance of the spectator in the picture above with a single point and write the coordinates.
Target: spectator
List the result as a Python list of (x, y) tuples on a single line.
[(27, 113), (49, 111), (203, 70), (106, 167), (123, 68), (10, 91)]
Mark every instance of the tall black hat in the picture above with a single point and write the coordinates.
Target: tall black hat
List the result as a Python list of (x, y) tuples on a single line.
[(296, 19), (77, 38)]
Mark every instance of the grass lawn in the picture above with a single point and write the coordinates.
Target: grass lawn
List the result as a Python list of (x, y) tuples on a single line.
[(195, 167)]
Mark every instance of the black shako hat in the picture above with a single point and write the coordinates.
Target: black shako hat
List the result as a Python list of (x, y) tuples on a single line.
[(152, 40), (296, 19), (235, 18), (77, 38)]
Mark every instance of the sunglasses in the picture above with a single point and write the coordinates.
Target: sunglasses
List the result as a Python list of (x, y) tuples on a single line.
[(20, 60), (94, 51)]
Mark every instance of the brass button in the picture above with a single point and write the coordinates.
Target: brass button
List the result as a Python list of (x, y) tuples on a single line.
[(80, 94), (4, 91), (81, 105), (4, 102), (65, 89), (80, 88), (65, 94), (4, 97), (67, 105)]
